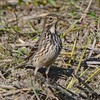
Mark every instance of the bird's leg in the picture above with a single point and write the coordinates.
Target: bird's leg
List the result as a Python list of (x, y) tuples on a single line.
[(35, 72), (47, 71)]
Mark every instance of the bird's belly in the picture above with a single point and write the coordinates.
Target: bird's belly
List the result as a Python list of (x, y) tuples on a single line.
[(50, 56)]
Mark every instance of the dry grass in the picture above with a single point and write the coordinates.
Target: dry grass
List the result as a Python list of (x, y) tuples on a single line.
[(76, 72)]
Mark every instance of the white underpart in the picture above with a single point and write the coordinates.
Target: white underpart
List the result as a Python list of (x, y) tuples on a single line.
[(52, 29)]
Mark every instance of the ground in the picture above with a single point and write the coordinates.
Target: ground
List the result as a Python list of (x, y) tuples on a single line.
[(75, 75)]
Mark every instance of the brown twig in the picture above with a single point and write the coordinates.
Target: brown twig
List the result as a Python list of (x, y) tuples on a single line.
[(94, 42), (86, 11)]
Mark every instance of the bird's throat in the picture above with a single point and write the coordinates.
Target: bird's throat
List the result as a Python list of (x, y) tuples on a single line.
[(52, 29)]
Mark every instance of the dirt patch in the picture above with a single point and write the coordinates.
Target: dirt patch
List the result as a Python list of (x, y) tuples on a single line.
[(76, 72)]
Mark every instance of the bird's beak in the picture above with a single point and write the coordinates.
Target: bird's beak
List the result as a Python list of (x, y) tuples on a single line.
[(61, 18)]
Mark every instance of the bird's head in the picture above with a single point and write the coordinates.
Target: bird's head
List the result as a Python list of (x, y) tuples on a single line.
[(51, 21)]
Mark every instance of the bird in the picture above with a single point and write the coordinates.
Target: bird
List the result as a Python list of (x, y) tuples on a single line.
[(49, 45)]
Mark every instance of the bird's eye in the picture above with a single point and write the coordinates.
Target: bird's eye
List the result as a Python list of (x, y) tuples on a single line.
[(50, 18)]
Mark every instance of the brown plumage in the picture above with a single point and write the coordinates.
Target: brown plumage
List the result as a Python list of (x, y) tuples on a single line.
[(49, 45)]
